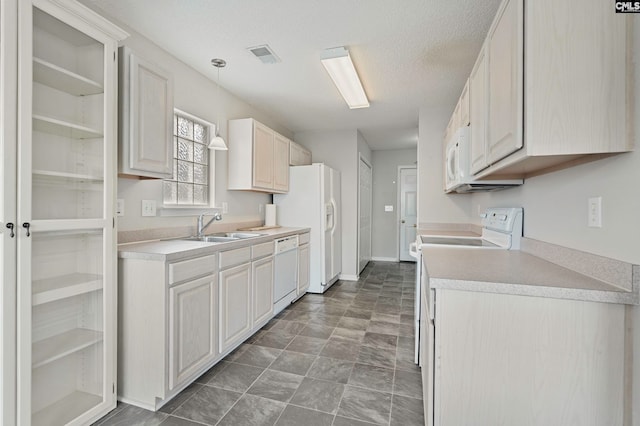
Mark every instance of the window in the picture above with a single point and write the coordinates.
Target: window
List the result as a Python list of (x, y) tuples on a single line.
[(190, 183)]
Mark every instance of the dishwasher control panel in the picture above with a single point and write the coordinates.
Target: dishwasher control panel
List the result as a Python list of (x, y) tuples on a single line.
[(286, 244)]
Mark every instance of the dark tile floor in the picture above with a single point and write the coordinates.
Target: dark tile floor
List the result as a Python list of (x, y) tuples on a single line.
[(343, 358)]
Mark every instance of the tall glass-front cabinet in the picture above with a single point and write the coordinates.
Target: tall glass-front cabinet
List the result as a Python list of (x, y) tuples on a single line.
[(63, 229)]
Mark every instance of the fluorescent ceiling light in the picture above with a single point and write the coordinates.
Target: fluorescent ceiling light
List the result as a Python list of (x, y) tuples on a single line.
[(338, 64)]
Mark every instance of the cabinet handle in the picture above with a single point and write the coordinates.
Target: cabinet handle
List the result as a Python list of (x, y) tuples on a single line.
[(10, 226), (26, 226)]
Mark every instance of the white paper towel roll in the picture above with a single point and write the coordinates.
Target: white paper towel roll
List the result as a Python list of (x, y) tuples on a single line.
[(270, 215)]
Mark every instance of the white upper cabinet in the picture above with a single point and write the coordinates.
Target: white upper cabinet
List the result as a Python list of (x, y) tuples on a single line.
[(557, 82), (299, 155), (258, 157), (464, 106), (146, 117), (477, 114), (504, 44)]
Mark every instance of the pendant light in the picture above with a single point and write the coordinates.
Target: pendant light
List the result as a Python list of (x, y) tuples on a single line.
[(217, 142)]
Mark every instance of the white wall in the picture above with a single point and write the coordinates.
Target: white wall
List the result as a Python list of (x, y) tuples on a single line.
[(434, 206), (340, 150), (385, 192), (197, 95)]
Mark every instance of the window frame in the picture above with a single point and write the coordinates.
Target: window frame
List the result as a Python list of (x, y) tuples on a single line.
[(183, 208)]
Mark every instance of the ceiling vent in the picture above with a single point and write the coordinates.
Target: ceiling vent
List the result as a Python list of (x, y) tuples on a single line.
[(265, 54)]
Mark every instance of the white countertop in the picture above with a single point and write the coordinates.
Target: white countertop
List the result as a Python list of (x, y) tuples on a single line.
[(516, 272), (175, 249)]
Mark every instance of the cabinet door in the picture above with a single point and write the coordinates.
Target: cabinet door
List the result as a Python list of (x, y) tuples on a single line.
[(263, 147), (303, 269), (146, 118), (281, 163), (192, 329), (66, 288), (478, 114), (505, 92), (262, 276), (464, 105), (235, 305)]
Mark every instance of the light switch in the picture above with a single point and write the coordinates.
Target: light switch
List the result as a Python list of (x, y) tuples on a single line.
[(388, 208), (148, 207)]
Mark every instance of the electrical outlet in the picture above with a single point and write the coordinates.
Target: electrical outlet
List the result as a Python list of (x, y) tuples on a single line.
[(594, 205), (148, 207), (120, 207), (225, 207)]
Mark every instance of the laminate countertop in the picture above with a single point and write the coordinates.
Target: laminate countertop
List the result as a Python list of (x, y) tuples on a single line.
[(177, 248), (520, 273)]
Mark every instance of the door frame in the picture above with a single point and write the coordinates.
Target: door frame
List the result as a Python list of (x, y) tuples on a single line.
[(398, 200), (368, 163)]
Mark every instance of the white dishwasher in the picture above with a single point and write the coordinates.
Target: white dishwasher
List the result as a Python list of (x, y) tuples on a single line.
[(286, 272)]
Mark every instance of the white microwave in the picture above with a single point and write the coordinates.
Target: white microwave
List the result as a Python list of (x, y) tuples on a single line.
[(458, 177)]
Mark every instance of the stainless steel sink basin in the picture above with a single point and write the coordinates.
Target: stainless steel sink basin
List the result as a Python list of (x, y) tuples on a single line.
[(235, 235), (223, 237), (212, 239), (243, 235)]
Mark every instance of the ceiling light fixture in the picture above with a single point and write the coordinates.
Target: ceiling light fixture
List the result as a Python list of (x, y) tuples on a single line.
[(217, 142), (338, 64)]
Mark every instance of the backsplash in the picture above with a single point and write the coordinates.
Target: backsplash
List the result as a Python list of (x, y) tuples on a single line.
[(135, 236)]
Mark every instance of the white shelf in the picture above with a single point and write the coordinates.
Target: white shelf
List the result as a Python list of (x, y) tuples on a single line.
[(62, 287), (59, 78), (64, 128), (67, 343), (67, 176), (66, 409)]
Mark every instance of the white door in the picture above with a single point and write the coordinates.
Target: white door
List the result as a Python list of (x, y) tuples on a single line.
[(192, 327), (8, 121), (364, 217), (235, 305), (408, 210)]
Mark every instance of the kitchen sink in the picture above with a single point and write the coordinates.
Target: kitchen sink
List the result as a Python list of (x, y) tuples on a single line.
[(223, 237), (212, 239)]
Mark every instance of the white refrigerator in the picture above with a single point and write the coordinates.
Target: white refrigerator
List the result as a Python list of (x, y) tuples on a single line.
[(313, 201)]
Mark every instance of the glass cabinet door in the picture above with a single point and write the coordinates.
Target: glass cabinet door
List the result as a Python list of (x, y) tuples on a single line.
[(66, 246)]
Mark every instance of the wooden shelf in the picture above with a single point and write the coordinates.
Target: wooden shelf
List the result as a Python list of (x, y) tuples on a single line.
[(64, 128), (59, 78), (62, 287), (66, 409), (61, 345), (67, 176)]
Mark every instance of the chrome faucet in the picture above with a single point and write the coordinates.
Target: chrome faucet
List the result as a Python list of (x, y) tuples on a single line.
[(202, 226)]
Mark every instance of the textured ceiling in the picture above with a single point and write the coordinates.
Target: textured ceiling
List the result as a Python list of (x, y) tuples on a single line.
[(409, 54)]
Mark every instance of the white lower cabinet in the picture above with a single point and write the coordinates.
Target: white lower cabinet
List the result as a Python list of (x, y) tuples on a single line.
[(517, 360), (303, 269), (262, 279), (167, 335), (192, 334), (179, 318), (235, 305)]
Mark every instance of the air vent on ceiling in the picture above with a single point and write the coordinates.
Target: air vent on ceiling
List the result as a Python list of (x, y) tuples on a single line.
[(264, 53)]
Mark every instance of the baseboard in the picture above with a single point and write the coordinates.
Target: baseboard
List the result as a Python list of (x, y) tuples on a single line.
[(345, 277), (384, 259)]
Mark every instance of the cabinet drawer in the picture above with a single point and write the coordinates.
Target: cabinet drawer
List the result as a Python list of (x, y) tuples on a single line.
[(191, 268), (304, 238), (234, 257), (262, 250)]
